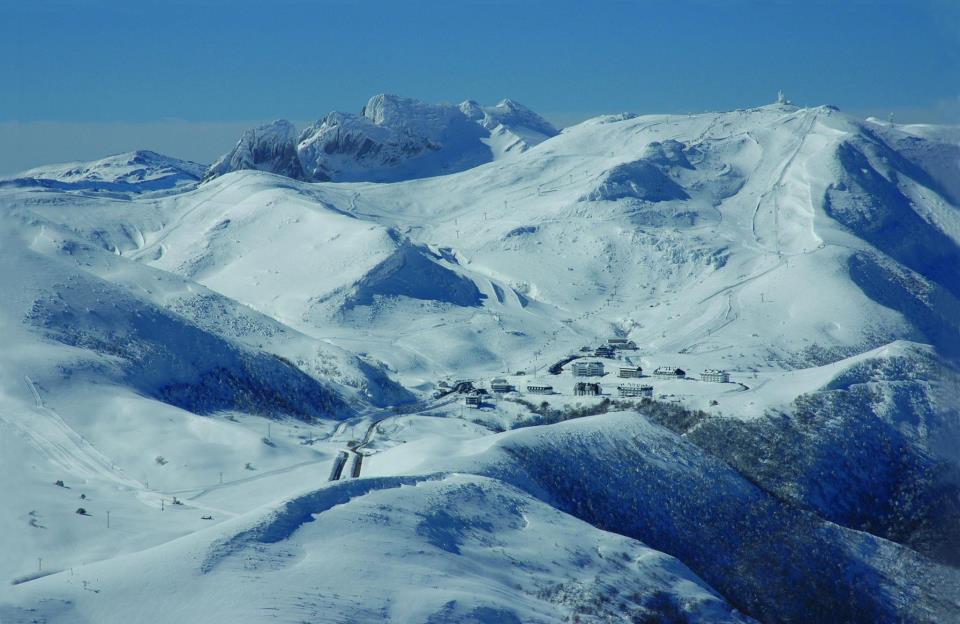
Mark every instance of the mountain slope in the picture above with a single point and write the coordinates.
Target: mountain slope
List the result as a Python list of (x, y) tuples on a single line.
[(453, 548), (692, 235), (624, 474), (811, 255)]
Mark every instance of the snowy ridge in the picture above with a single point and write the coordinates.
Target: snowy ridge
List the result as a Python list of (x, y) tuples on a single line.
[(393, 138), (135, 172)]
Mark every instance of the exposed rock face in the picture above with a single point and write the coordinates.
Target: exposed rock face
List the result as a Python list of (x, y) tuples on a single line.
[(271, 147), (393, 138)]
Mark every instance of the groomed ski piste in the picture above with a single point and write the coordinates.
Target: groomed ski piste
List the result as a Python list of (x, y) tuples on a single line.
[(278, 391)]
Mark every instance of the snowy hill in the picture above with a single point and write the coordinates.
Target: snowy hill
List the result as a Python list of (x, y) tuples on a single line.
[(623, 473), (688, 234), (303, 315), (393, 138), (136, 172), (455, 548)]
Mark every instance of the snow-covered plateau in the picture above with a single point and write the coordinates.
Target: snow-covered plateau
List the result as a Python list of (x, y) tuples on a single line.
[(446, 363)]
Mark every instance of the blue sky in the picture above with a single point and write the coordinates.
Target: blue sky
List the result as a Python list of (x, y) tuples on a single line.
[(183, 77)]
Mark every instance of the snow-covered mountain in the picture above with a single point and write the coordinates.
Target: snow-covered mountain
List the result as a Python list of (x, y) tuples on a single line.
[(393, 138), (251, 344), (138, 171), (271, 147), (696, 234)]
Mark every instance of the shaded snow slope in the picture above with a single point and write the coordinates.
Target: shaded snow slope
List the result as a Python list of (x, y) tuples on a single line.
[(447, 548), (83, 355), (413, 272), (624, 474)]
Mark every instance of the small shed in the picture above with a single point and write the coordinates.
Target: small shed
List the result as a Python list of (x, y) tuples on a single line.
[(539, 388), (670, 372)]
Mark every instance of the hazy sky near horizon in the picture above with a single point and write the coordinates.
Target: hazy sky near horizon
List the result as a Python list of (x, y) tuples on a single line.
[(85, 79)]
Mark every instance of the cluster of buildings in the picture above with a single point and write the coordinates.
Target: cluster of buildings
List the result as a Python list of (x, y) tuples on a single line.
[(593, 368), (582, 366), (611, 347)]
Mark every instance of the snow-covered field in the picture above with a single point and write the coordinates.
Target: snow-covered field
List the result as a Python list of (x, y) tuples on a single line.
[(250, 378)]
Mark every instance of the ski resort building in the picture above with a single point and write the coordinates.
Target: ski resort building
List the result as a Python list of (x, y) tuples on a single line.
[(587, 369), (501, 386), (630, 371), (621, 343), (634, 390), (583, 388), (605, 351), (539, 388), (473, 400), (718, 376), (670, 372)]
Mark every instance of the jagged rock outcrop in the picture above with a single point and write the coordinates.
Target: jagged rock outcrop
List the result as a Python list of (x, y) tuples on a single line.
[(271, 147), (393, 138)]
